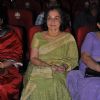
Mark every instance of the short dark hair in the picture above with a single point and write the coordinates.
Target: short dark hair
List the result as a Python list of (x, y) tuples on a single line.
[(64, 20)]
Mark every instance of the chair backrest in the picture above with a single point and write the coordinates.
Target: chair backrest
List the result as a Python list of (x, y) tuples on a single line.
[(31, 33), (80, 35), (68, 29), (20, 17)]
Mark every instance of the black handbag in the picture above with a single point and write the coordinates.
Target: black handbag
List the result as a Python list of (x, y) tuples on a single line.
[(91, 73)]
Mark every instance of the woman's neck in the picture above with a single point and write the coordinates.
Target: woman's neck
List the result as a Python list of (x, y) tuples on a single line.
[(53, 33), (98, 34)]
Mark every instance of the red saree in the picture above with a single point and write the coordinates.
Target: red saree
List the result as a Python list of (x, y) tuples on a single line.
[(10, 48)]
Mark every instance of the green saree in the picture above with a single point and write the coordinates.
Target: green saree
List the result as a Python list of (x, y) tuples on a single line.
[(43, 83)]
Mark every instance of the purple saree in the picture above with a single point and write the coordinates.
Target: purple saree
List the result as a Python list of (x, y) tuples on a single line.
[(82, 88)]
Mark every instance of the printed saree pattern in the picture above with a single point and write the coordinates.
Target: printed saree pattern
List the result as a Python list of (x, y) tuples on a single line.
[(10, 48)]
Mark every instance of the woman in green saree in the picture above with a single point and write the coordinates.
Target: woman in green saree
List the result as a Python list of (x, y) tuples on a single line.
[(53, 53)]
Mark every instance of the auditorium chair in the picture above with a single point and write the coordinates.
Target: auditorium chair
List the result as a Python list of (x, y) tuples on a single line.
[(80, 35)]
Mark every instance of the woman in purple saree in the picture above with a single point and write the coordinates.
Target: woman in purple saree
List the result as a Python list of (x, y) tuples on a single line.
[(80, 86)]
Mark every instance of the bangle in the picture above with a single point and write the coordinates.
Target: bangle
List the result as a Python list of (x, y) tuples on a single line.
[(2, 65)]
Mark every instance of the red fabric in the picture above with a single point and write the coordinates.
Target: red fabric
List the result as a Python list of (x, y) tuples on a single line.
[(18, 31), (10, 48), (10, 84), (31, 33)]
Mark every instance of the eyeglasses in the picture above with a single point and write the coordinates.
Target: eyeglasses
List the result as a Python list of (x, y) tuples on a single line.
[(55, 19)]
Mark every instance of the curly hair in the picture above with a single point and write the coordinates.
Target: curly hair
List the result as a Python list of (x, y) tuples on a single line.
[(64, 20)]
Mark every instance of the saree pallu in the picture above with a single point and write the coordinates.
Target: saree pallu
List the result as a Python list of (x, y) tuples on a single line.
[(43, 83)]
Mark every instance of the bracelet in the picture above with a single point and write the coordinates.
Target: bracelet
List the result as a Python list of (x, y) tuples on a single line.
[(2, 65)]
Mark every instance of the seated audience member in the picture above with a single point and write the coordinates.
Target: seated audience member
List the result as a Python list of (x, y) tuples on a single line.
[(50, 3), (10, 60), (94, 1), (39, 19), (53, 54), (86, 18), (86, 4), (84, 84)]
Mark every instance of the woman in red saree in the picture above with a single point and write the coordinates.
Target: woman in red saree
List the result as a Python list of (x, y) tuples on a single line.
[(10, 58)]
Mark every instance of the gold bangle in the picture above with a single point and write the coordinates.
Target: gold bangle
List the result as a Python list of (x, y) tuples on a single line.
[(2, 65)]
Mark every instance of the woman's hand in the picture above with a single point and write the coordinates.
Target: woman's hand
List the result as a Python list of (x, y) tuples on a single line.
[(8, 63), (90, 62), (97, 67), (5, 64), (1, 65), (60, 69)]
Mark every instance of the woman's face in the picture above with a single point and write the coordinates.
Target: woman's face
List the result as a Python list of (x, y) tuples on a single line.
[(53, 20), (98, 25)]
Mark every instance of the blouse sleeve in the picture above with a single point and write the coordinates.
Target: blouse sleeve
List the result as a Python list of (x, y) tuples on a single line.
[(35, 41), (87, 44)]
